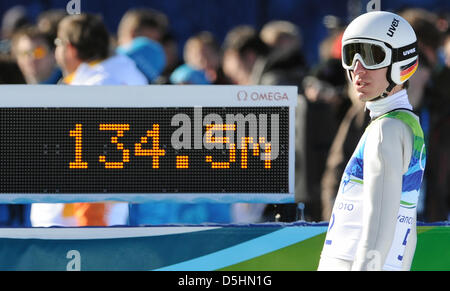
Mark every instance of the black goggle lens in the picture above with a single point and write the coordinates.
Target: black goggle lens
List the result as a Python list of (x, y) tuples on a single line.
[(371, 54)]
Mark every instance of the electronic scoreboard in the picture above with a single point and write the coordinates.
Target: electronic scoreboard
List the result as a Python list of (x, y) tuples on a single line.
[(147, 143)]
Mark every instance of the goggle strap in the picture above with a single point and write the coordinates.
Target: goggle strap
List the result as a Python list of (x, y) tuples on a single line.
[(404, 53)]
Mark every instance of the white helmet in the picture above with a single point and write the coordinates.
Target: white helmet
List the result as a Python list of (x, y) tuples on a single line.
[(381, 39)]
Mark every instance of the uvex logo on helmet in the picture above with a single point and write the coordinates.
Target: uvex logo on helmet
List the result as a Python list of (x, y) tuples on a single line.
[(410, 51), (393, 27)]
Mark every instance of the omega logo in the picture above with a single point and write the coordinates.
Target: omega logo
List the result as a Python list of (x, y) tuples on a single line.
[(261, 96)]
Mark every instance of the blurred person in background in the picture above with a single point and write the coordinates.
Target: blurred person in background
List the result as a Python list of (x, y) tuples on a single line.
[(12, 215), (316, 126), (35, 56), (83, 53), (344, 143), (285, 64), (13, 19), (281, 34), (186, 74), (429, 94), (139, 35), (202, 52), (170, 46), (145, 22), (328, 72), (248, 60), (48, 22), (325, 103), (444, 25), (447, 48), (148, 55), (244, 55)]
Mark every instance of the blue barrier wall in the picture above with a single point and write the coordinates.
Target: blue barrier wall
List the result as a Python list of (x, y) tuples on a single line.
[(259, 247)]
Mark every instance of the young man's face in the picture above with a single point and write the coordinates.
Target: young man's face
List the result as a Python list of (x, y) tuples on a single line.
[(368, 84)]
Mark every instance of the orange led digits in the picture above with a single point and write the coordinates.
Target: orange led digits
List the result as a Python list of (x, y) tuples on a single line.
[(263, 144), (211, 139), (78, 134), (182, 162), (244, 150), (267, 151), (120, 128), (155, 152)]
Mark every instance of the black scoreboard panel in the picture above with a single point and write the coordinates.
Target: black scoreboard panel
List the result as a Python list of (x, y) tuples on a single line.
[(129, 150)]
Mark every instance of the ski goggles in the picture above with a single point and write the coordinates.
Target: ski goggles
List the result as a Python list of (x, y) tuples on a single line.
[(372, 54)]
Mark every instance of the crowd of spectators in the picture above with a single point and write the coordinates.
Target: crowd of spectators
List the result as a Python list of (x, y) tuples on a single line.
[(79, 50)]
